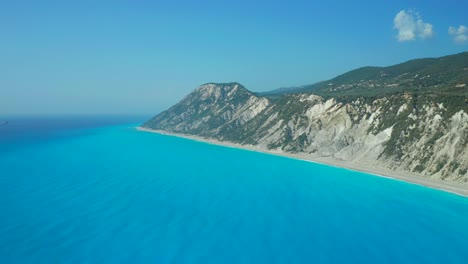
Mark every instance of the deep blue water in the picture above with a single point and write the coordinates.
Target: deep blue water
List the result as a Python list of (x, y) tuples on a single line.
[(75, 191)]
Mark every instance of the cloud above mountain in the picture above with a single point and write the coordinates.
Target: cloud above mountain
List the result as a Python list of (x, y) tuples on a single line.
[(460, 34), (410, 26)]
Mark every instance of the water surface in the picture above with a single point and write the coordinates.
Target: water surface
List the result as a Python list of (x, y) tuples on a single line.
[(106, 193)]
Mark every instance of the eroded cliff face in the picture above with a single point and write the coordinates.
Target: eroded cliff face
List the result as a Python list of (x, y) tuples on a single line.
[(399, 132)]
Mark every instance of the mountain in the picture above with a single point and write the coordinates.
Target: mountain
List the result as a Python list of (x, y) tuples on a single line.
[(210, 109), (430, 75), (411, 117)]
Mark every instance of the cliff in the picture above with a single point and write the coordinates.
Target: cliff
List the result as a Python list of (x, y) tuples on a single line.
[(416, 128)]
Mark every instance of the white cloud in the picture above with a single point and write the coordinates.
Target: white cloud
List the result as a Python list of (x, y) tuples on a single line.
[(459, 34), (410, 26)]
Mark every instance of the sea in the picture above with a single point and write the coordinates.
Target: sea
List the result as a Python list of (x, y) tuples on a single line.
[(87, 189)]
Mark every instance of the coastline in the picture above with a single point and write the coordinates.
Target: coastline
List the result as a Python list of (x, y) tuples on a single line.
[(404, 176)]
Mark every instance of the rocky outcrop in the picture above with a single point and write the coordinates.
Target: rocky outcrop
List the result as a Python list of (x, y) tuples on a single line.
[(422, 135), (211, 108)]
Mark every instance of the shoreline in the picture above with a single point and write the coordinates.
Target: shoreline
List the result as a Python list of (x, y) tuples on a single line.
[(404, 176)]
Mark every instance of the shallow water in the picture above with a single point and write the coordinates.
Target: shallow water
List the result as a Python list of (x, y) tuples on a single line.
[(111, 194)]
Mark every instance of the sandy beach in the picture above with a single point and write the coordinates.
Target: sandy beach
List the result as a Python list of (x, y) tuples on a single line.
[(405, 176)]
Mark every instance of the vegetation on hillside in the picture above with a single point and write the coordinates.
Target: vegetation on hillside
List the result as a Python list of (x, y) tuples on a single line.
[(441, 76)]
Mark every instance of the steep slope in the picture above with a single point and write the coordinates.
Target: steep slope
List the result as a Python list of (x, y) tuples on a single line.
[(422, 133), (396, 132)]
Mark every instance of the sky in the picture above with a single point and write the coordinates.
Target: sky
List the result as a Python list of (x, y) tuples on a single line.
[(140, 57)]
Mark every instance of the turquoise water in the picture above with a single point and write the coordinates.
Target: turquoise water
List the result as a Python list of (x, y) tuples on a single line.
[(116, 195)]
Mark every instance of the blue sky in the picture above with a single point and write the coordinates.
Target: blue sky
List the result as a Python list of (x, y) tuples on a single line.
[(114, 57)]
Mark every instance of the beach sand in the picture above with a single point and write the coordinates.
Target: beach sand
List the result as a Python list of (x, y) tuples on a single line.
[(405, 176)]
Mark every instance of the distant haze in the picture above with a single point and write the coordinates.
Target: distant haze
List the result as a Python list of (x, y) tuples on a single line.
[(136, 57)]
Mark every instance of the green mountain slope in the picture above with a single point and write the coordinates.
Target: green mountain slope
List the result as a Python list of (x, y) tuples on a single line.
[(444, 75)]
